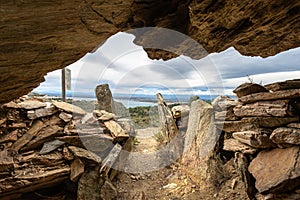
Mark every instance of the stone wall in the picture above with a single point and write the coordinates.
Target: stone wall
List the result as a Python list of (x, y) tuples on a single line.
[(263, 127), (49, 144)]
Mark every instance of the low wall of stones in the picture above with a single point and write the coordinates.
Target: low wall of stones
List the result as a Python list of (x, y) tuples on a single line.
[(263, 126)]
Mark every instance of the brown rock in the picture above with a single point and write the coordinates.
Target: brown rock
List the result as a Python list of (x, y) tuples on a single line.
[(33, 131), (294, 125), (89, 185), (103, 115), (10, 137), (269, 122), (69, 108), (18, 125), (67, 154), (46, 134), (6, 161), (31, 104), (286, 136), (286, 85), (77, 169), (65, 116), (108, 191), (85, 154), (282, 196), (42, 112), (276, 171), (266, 96), (249, 88), (279, 108), (49, 38), (254, 139), (235, 126), (236, 146), (11, 104), (96, 143), (116, 130)]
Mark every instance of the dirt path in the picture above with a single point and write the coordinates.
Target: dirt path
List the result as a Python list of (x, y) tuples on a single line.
[(145, 179)]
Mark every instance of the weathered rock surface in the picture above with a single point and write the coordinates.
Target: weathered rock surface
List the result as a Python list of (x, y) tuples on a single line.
[(39, 37), (89, 185), (254, 139), (31, 104), (265, 96), (104, 97), (222, 103), (275, 172), (286, 85), (236, 146), (200, 142), (249, 88), (69, 107), (286, 136), (279, 108)]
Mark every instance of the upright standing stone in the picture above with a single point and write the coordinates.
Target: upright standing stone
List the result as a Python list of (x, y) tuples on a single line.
[(105, 99), (201, 139), (167, 122)]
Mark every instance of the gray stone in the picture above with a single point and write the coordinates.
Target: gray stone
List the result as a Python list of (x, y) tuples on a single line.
[(200, 142), (105, 99), (51, 146), (31, 104)]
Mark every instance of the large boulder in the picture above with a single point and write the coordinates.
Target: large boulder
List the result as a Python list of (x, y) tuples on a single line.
[(277, 170)]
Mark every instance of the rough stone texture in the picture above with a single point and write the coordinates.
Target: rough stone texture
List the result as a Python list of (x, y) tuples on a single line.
[(249, 88), (286, 85), (222, 103), (37, 37), (200, 143), (270, 122), (30, 104), (104, 97), (69, 107), (286, 136), (279, 108), (89, 185), (265, 96), (254, 139), (236, 146), (274, 171)]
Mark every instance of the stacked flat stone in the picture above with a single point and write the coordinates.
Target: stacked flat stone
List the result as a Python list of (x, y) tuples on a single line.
[(266, 125), (48, 143)]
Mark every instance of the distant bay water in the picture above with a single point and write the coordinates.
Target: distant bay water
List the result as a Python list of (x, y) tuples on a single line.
[(130, 101)]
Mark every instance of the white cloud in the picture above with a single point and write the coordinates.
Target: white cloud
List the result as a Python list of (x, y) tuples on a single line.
[(126, 67)]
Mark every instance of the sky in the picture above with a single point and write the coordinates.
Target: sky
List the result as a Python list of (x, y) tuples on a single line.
[(128, 70)]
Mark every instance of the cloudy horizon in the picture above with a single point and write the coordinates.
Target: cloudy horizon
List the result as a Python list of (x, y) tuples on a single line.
[(128, 70)]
